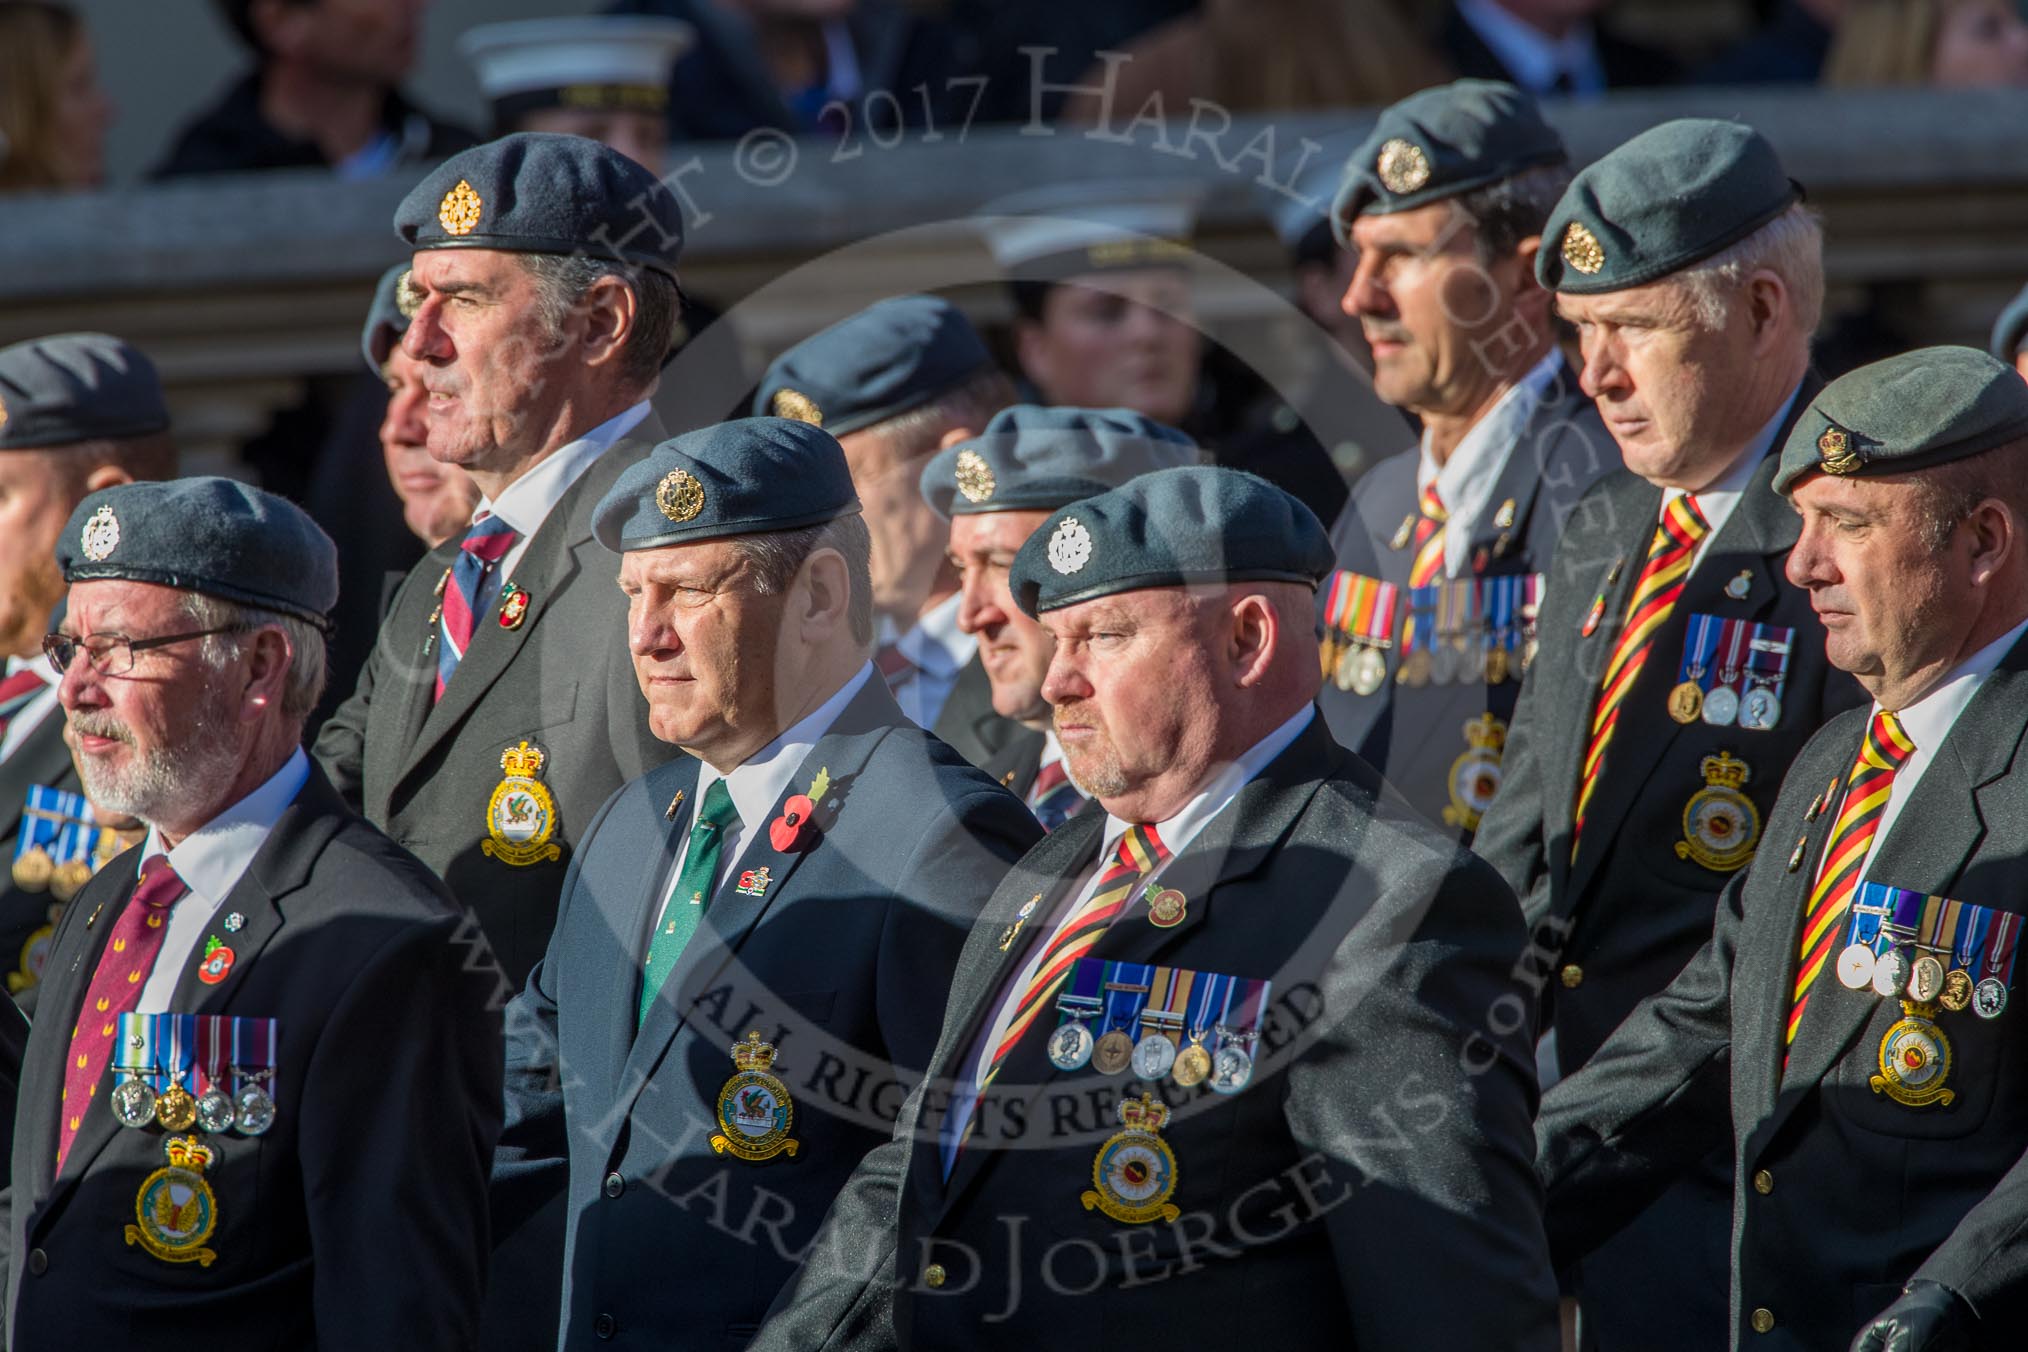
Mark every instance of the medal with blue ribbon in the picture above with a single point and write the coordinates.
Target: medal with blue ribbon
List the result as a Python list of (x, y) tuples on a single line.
[(1210, 999), (1767, 671), (255, 1076), (1126, 991), (175, 1105), (1700, 644), (1870, 909), (1418, 635), (1238, 1029)]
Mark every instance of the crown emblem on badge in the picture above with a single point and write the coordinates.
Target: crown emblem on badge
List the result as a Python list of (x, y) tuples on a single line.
[(1725, 770), (187, 1152), (1835, 452), (406, 298), (679, 495), (522, 762), (100, 536), (975, 476), (795, 404), (1146, 1113), (1402, 166), (1581, 248), (1486, 732), (1070, 546), (750, 1053), (459, 212)]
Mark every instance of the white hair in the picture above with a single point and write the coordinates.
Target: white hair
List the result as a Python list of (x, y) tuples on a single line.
[(1791, 246)]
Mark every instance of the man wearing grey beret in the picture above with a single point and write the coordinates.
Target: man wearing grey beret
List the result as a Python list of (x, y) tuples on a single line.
[(262, 1086)]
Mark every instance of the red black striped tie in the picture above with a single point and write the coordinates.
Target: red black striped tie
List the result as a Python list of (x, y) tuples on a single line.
[(1656, 591), (1867, 790), (1429, 540)]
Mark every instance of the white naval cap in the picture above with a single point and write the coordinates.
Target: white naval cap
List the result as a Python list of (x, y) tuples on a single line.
[(1047, 234), (602, 62)]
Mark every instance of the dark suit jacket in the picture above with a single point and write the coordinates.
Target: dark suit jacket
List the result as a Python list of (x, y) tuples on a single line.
[(43, 759), (1628, 65), (233, 137), (1004, 749), (1862, 1193), (843, 964), (1414, 734), (359, 1219), (1371, 1173), (563, 681)]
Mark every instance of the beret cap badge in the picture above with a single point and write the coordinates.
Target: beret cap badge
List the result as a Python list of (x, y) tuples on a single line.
[(1070, 546), (1582, 250), (459, 212), (100, 536), (974, 476), (1402, 166), (1837, 455), (679, 495), (795, 404)]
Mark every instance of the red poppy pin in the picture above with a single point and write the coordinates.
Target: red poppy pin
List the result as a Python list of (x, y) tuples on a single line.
[(217, 961), (793, 830)]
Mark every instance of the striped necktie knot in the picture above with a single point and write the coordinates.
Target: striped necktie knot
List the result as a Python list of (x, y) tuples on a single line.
[(1887, 744), (1683, 525), (1428, 564), (475, 582), (489, 539)]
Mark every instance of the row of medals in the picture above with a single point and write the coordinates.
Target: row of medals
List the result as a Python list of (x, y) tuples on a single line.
[(35, 870), (1361, 667), (136, 1104), (1722, 706), (1894, 974), (1156, 1055)]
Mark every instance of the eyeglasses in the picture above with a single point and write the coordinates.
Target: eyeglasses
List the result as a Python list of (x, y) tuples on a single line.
[(113, 654)]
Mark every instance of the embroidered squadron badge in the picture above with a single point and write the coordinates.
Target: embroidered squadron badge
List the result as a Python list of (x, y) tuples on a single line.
[(1721, 826), (754, 1107), (521, 816), (1475, 774), (176, 1210), (1134, 1174)]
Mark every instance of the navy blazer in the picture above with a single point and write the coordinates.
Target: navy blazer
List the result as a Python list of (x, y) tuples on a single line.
[(842, 962)]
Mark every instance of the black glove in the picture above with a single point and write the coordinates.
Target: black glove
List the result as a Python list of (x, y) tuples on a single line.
[(1929, 1317)]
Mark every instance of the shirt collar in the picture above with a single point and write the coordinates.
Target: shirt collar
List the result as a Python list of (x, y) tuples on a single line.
[(1929, 720), (935, 643), (526, 503), (1716, 502), (1223, 786), (37, 664), (211, 859), (1480, 457), (1533, 57), (758, 782)]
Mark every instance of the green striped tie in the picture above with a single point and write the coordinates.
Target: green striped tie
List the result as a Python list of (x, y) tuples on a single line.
[(691, 895)]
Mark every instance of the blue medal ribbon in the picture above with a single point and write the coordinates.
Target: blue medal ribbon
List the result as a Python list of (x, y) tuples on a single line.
[(175, 1034), (1123, 1006), (1420, 630), (1700, 647), (1212, 998), (1870, 909)]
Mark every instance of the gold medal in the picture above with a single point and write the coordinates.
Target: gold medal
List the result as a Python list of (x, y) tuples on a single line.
[(175, 1109), (176, 1211), (1113, 1054), (69, 876), (32, 869), (521, 816), (1957, 991), (1193, 1063), (1496, 665), (1134, 1173), (1686, 701), (1915, 1060), (754, 1109), (1415, 668)]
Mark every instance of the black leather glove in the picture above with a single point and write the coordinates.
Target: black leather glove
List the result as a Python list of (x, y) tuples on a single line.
[(1929, 1317)]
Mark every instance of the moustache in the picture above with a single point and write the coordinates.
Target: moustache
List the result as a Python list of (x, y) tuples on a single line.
[(90, 724), (1384, 333)]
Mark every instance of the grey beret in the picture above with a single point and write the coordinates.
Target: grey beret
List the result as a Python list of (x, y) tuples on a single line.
[(894, 355), (216, 536), (1440, 143), (1671, 197), (77, 387), (2010, 328), (393, 305), (735, 478), (1172, 528), (1921, 408), (542, 193), (1033, 458)]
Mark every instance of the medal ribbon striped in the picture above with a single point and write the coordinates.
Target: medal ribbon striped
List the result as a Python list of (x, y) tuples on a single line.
[(1655, 594), (1429, 539), (473, 585), (1867, 790)]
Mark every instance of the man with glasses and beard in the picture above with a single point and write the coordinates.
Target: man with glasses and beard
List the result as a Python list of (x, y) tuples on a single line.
[(229, 1129)]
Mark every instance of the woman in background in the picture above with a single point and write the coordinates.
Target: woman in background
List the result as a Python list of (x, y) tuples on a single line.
[(53, 110), (1945, 44)]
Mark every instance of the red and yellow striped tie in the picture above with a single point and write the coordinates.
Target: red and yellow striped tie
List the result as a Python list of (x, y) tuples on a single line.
[(1867, 790), (1429, 540), (1655, 595)]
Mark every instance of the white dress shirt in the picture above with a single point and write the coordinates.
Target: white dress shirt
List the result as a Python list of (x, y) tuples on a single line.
[(1715, 503), (210, 861), (1531, 56), (1928, 721), (756, 784), (40, 705), (937, 651), (527, 502), (1465, 482)]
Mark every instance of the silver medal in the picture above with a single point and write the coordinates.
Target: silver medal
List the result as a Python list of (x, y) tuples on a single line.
[(1721, 706), (1070, 1047), (1153, 1055), (253, 1110), (1230, 1070), (1760, 710), (214, 1111), (134, 1102), (1855, 967), (1989, 998), (1925, 978), (1890, 973), (1443, 664), (1369, 670)]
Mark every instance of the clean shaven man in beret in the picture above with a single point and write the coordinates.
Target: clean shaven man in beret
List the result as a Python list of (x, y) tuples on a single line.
[(262, 1087), (995, 489), (756, 940), (545, 285), (78, 412), (436, 498), (1235, 1057), (1430, 616), (896, 383), (1679, 672), (1856, 1006)]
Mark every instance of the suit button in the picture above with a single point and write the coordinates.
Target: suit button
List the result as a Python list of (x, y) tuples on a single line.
[(933, 1275), (38, 1262), (605, 1326), (1573, 976), (1763, 1320), (615, 1185), (1763, 1182)]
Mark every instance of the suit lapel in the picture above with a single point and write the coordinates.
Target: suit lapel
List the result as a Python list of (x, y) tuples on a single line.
[(1505, 522)]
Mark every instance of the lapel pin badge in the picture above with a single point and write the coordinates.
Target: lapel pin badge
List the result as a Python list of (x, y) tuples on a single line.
[(1166, 908), (1738, 588), (669, 813), (1020, 919), (217, 961), (753, 883)]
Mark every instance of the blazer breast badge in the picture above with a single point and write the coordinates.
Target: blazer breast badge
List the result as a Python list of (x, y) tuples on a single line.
[(521, 816), (754, 1109)]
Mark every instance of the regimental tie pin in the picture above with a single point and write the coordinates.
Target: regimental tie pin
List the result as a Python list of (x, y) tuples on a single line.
[(669, 813)]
